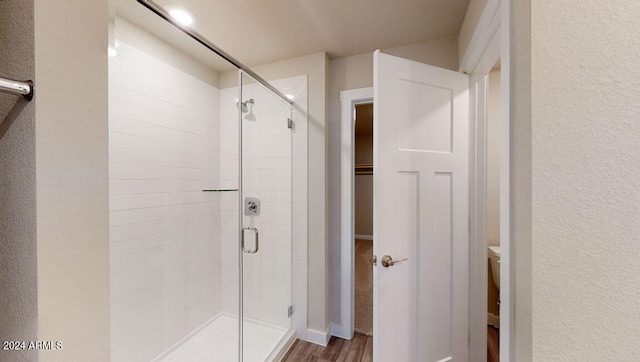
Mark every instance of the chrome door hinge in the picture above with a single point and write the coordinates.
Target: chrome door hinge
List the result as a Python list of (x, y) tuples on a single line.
[(290, 311), (289, 123), (375, 260)]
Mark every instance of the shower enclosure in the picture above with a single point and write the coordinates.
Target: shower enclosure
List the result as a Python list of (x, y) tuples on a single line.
[(200, 202)]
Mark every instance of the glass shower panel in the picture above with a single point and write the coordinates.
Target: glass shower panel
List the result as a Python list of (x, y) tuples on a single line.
[(266, 244)]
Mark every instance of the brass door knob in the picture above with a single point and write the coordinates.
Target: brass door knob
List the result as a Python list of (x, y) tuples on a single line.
[(388, 261)]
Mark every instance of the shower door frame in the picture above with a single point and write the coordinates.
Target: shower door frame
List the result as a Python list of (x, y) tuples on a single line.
[(240, 227)]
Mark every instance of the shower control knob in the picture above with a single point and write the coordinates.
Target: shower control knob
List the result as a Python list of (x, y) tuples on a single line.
[(251, 206)]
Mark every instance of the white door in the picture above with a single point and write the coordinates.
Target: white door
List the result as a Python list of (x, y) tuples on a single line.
[(421, 188)]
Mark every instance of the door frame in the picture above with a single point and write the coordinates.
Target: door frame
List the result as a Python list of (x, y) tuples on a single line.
[(490, 42), (349, 99)]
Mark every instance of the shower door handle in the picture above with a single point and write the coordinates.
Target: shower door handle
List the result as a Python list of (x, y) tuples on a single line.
[(250, 251)]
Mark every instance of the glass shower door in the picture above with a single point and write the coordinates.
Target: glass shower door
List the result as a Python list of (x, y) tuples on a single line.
[(265, 240)]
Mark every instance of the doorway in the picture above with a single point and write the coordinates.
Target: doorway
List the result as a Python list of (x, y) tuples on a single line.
[(489, 322), (492, 152), (488, 52), (350, 99), (363, 219)]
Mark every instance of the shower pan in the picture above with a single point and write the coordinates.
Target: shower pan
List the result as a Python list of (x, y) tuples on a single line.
[(200, 205)]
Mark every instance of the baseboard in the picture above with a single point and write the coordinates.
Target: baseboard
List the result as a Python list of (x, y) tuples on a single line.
[(339, 331), (493, 320), (317, 337), (363, 237)]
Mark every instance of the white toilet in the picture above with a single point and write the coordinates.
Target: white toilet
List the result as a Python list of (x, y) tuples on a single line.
[(494, 260)]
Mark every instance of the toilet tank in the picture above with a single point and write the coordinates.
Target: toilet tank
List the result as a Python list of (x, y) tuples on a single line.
[(494, 261)]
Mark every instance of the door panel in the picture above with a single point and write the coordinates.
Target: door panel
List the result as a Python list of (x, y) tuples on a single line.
[(427, 126), (420, 211)]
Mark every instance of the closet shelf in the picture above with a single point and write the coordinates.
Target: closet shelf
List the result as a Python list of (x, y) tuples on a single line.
[(364, 169)]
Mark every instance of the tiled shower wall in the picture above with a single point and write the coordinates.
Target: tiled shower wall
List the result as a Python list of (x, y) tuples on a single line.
[(165, 232)]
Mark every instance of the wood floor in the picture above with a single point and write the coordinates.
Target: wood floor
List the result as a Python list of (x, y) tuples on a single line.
[(360, 349), (493, 344)]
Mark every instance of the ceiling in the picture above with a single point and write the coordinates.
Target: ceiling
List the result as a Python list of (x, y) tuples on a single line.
[(263, 31)]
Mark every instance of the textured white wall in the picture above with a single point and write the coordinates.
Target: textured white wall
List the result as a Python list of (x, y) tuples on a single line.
[(164, 231), (72, 178), (520, 174), (585, 202), (18, 280)]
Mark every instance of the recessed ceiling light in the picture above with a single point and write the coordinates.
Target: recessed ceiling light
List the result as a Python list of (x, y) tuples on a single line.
[(180, 14)]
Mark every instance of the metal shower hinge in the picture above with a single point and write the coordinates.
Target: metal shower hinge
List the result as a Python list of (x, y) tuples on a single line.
[(290, 311), (289, 123)]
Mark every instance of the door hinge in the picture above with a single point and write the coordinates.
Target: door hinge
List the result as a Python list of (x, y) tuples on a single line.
[(375, 260), (289, 123), (290, 311)]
